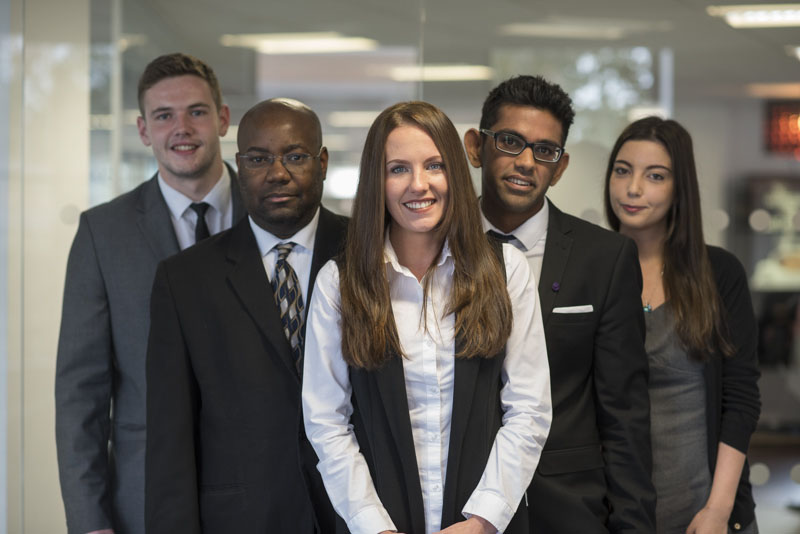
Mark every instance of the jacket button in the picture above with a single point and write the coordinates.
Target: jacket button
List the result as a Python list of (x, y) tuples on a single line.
[(737, 526)]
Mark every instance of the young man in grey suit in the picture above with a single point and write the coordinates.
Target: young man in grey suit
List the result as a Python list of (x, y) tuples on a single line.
[(100, 373), (594, 474), (226, 451)]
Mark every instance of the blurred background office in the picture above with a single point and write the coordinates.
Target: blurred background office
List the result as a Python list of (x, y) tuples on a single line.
[(68, 141)]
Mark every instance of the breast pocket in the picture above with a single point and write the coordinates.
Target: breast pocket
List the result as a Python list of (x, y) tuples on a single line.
[(583, 317)]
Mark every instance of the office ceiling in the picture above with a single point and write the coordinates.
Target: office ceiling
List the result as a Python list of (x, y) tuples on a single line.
[(710, 58)]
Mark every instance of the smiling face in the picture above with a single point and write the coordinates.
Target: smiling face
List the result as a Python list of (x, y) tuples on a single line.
[(282, 200), (416, 183), (641, 187), (183, 126), (514, 186)]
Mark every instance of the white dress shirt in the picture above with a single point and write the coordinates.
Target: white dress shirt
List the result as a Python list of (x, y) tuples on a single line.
[(219, 216), (529, 237), (299, 258), (429, 376)]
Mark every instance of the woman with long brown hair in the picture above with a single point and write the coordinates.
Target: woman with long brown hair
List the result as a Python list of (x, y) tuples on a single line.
[(701, 334), (426, 390)]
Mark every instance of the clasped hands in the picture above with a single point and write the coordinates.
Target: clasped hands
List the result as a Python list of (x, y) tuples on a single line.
[(473, 525)]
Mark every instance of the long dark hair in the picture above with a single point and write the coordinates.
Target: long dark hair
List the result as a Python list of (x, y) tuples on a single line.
[(689, 283), (483, 314)]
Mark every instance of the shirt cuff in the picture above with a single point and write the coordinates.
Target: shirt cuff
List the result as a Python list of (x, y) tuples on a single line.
[(490, 507), (371, 520)]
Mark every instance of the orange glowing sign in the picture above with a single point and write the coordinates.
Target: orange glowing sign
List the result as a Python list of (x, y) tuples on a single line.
[(783, 127)]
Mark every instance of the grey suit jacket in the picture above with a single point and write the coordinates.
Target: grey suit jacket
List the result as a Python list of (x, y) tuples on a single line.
[(102, 346)]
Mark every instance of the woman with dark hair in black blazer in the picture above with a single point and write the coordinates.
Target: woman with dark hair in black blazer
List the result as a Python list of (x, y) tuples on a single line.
[(701, 334)]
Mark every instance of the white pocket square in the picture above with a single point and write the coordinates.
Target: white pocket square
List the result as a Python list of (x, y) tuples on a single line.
[(586, 308)]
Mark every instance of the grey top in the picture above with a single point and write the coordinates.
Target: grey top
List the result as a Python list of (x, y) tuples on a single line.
[(678, 425)]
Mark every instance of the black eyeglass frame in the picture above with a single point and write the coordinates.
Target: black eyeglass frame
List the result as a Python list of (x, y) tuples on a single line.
[(525, 144)]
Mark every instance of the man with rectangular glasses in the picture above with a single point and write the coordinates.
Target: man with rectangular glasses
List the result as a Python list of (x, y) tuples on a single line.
[(226, 450), (594, 473)]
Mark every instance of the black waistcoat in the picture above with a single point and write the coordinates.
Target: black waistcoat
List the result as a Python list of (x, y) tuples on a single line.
[(382, 426)]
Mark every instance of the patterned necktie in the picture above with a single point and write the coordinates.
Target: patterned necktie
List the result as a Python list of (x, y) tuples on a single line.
[(200, 228), (286, 289)]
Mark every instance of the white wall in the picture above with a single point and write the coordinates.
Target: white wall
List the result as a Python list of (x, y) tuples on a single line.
[(50, 137), (5, 105)]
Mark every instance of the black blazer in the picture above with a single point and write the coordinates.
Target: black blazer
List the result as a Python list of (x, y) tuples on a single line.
[(732, 398), (594, 474), (225, 449)]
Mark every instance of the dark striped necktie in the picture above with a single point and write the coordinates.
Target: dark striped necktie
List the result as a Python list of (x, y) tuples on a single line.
[(289, 300)]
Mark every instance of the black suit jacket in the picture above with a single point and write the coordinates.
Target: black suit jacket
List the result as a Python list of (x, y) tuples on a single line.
[(225, 449), (594, 474)]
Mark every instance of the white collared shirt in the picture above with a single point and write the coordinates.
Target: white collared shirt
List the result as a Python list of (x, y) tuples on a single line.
[(429, 375), (300, 256), (219, 216), (529, 237)]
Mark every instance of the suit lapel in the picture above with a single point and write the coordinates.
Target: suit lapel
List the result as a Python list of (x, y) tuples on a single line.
[(250, 283), (556, 253), (390, 380), (154, 221)]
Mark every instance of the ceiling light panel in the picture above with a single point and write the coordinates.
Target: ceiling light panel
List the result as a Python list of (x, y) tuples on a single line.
[(758, 16), (440, 73), (299, 43)]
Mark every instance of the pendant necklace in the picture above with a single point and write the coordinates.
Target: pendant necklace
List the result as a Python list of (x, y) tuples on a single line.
[(647, 307)]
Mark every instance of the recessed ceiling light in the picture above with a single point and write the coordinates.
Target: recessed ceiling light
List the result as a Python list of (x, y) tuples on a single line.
[(562, 31), (758, 15), (299, 43), (774, 90), (574, 28), (440, 73)]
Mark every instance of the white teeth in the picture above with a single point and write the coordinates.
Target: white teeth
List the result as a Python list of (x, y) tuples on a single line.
[(418, 205), (517, 181), (184, 147)]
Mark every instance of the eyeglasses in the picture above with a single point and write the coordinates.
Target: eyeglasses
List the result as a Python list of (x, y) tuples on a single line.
[(514, 144), (292, 160)]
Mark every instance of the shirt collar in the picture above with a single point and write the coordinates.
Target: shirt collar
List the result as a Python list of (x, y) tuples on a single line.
[(529, 232), (390, 256), (219, 197), (304, 238)]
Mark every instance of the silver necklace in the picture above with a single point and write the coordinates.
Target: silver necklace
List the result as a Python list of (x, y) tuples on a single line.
[(647, 307)]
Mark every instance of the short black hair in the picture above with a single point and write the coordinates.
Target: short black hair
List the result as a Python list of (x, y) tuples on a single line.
[(177, 64), (534, 91)]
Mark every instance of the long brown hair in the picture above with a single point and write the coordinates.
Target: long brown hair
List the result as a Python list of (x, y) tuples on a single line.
[(689, 283), (483, 314)]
